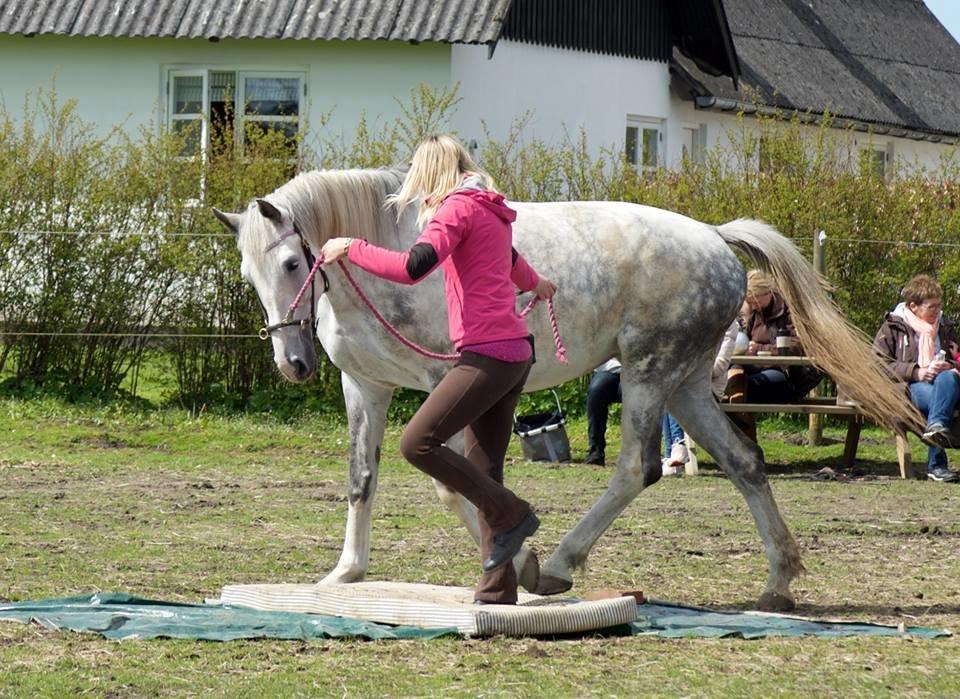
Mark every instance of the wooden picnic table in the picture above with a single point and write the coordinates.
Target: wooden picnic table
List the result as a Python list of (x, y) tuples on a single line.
[(815, 406)]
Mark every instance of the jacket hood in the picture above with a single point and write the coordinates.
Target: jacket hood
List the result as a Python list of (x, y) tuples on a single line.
[(473, 187)]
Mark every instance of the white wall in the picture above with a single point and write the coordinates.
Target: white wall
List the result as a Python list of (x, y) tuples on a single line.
[(723, 128), (120, 81), (566, 90)]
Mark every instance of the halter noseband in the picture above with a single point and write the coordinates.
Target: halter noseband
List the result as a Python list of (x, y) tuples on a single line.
[(314, 264)]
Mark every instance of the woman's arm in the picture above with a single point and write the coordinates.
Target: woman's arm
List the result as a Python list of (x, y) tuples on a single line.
[(885, 344), (722, 361), (526, 278), (433, 246)]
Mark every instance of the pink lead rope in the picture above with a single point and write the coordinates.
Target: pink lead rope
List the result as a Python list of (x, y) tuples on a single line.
[(561, 353)]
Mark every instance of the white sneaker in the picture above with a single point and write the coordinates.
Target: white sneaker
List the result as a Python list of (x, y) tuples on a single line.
[(678, 454), (671, 469)]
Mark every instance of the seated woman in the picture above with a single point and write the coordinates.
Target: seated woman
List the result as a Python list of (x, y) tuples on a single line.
[(766, 316), (920, 348)]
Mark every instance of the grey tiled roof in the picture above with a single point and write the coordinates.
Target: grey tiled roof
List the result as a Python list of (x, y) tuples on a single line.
[(453, 21), (886, 62)]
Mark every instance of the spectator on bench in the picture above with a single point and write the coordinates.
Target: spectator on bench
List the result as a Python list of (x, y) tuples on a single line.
[(604, 390), (920, 348), (674, 440), (767, 316)]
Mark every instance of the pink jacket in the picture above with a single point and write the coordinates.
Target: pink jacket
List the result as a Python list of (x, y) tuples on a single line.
[(472, 238)]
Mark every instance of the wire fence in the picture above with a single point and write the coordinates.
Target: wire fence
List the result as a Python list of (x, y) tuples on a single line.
[(159, 336), (135, 234), (8, 332)]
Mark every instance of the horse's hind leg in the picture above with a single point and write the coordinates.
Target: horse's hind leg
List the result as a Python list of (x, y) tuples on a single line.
[(742, 461), (638, 467)]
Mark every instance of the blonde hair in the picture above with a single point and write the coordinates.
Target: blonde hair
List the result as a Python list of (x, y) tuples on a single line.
[(759, 283), (437, 168)]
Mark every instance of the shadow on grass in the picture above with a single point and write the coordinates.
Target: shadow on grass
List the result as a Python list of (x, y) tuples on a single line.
[(915, 613), (863, 469)]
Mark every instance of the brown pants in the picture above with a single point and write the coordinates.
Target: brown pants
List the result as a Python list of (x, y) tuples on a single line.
[(478, 396)]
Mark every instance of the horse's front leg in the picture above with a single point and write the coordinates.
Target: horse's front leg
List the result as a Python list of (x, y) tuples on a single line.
[(366, 405)]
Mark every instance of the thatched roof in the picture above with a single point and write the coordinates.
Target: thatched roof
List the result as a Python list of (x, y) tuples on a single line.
[(886, 63)]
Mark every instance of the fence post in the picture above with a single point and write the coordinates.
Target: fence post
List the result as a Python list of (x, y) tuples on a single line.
[(815, 421)]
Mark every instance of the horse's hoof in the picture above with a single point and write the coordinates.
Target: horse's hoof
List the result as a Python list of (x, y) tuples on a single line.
[(775, 602), (336, 578), (550, 585), (528, 574)]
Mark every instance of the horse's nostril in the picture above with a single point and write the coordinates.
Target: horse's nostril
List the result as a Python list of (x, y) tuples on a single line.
[(299, 366)]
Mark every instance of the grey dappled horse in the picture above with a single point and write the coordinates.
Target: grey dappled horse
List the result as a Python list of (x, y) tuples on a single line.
[(652, 287)]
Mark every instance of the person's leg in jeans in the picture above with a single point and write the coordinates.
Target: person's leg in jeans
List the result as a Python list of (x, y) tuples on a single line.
[(475, 386), (672, 434), (923, 395), (943, 401), (768, 386), (603, 391)]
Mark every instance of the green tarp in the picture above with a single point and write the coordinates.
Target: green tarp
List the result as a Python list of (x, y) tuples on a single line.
[(119, 616), (670, 621)]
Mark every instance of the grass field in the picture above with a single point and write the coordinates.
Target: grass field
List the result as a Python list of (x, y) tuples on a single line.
[(167, 506)]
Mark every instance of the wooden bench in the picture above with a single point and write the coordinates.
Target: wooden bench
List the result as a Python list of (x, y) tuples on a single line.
[(821, 405), (829, 406)]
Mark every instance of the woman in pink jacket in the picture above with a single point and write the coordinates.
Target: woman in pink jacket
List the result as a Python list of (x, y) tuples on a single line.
[(469, 235)]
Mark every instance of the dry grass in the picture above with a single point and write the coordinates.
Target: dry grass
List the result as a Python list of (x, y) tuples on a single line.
[(171, 508)]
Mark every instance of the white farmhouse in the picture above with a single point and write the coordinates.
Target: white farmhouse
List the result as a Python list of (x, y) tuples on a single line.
[(658, 78)]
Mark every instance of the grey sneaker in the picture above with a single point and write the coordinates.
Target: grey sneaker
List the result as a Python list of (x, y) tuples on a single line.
[(942, 475), (937, 435)]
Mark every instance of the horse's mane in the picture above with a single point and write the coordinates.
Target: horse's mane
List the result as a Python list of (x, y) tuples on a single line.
[(331, 203)]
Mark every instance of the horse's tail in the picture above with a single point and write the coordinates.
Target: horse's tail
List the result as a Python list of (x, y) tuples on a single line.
[(837, 347)]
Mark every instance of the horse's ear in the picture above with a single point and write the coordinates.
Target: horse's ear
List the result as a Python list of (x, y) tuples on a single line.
[(231, 221), (269, 211)]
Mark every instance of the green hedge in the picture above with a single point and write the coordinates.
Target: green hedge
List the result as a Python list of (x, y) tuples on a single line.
[(178, 275)]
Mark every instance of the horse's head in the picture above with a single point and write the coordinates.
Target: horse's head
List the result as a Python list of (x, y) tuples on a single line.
[(276, 261)]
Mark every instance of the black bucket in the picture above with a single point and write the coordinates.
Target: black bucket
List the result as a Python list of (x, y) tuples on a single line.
[(543, 436)]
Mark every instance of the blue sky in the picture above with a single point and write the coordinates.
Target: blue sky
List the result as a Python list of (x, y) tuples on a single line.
[(948, 12)]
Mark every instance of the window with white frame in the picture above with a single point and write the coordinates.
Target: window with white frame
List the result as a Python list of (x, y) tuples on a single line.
[(877, 160), (215, 107), (643, 143), (694, 146)]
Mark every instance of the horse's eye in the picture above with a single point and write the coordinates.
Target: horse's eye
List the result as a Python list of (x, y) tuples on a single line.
[(291, 264)]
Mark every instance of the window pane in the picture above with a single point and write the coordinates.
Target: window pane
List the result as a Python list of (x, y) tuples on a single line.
[(631, 145), (873, 162), (272, 96), (650, 137), (289, 129), (264, 133), (189, 131), (187, 94), (223, 87)]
